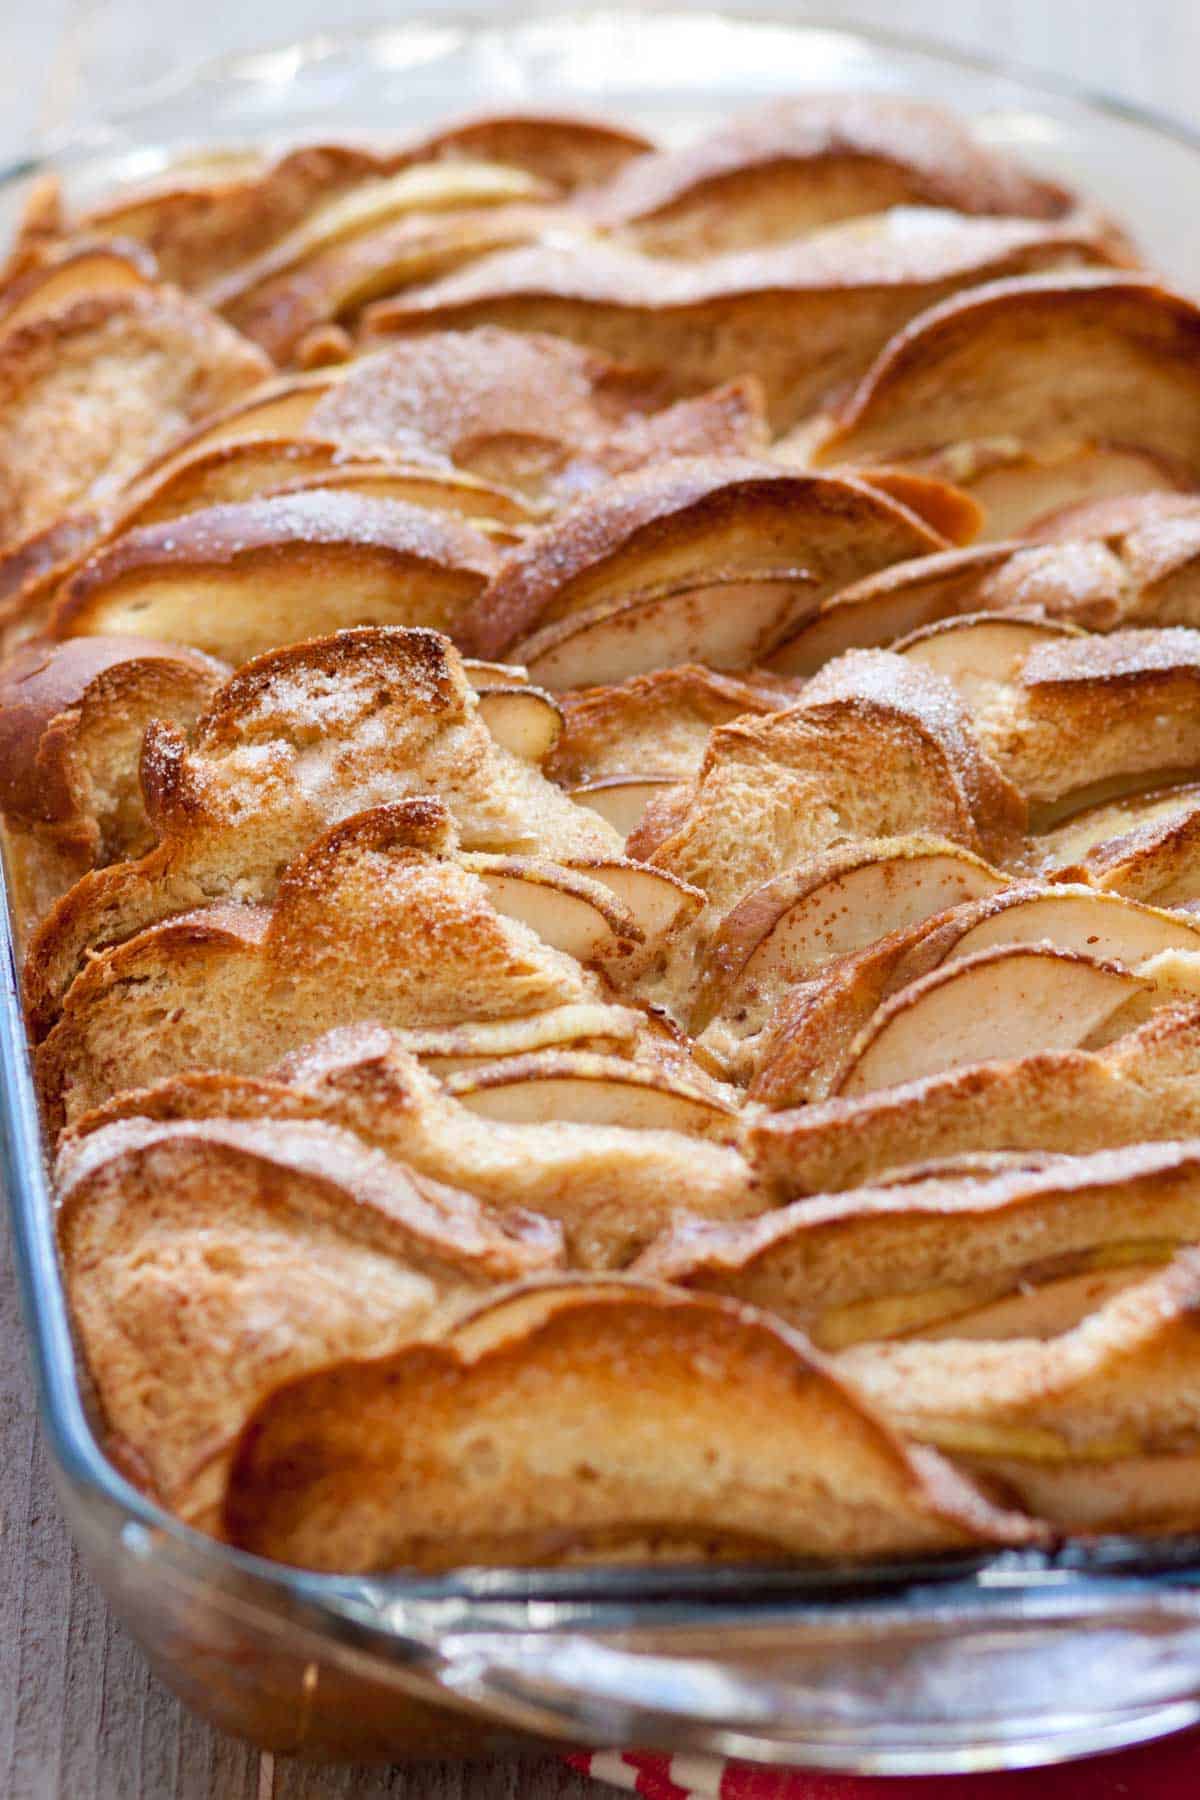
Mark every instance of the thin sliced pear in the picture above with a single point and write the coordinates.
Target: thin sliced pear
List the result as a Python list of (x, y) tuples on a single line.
[(888, 605), (980, 651), (1105, 926), (94, 269), (524, 720), (622, 799), (793, 925), (581, 1088), (727, 623), (1009, 1001), (567, 910), (427, 187), (485, 675), (277, 409), (659, 902)]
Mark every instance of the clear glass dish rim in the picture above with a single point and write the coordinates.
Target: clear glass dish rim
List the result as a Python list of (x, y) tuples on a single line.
[(1097, 1577), (74, 143)]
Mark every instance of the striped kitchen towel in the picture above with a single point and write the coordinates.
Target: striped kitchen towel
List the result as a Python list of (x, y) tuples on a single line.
[(1169, 1770)]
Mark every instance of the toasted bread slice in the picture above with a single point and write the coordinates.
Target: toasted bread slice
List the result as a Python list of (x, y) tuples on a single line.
[(295, 741), (528, 412), (207, 1261), (797, 165), (380, 919), (614, 1149), (71, 722), (205, 219), (259, 467), (1094, 1431), (567, 1418), (658, 723), (1142, 1087), (677, 529), (1146, 846), (874, 748), (805, 318), (1065, 373), (1107, 566), (240, 579), (89, 392), (292, 313), (1018, 1253), (81, 272), (1087, 717)]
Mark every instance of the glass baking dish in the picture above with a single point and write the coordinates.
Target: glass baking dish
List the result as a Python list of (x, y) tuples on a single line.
[(955, 1664)]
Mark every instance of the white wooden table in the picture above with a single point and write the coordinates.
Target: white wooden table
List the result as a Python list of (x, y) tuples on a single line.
[(80, 1716)]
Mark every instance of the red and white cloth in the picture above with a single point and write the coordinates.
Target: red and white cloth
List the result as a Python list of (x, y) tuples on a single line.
[(1169, 1770)]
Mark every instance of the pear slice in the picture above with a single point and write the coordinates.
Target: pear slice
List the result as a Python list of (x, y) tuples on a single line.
[(567, 910), (659, 902), (890, 604), (979, 652), (581, 1088), (523, 719), (1097, 1430), (622, 799), (679, 527), (255, 467), (1014, 1253), (726, 623), (1009, 1001), (274, 409), (240, 579), (425, 188), (804, 918), (1106, 926), (78, 275), (1018, 491), (1081, 582)]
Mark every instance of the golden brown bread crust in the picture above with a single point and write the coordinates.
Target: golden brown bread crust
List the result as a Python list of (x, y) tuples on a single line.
[(205, 1262), (294, 741), (531, 412), (942, 1246), (610, 1182), (798, 165), (402, 563), (1102, 358), (1141, 1088), (806, 319), (71, 722), (303, 1491), (87, 394), (378, 919), (686, 520)]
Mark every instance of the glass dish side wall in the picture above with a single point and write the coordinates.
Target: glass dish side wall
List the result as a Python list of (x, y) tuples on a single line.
[(1003, 1662)]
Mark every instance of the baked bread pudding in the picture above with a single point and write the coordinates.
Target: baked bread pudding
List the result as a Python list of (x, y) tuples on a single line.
[(600, 772)]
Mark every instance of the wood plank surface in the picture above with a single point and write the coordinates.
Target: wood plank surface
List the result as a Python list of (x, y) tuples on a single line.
[(80, 1716)]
